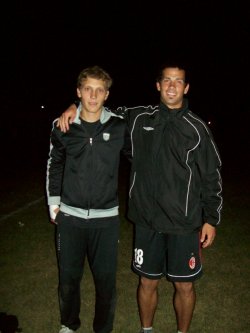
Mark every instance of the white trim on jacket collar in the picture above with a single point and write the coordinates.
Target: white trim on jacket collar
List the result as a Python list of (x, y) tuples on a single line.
[(105, 115)]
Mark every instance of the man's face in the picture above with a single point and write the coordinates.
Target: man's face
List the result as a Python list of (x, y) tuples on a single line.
[(93, 94), (172, 87)]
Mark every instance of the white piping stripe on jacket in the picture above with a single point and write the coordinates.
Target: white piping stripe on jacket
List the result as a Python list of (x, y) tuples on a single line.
[(132, 143), (190, 176), (219, 193), (141, 114), (192, 116)]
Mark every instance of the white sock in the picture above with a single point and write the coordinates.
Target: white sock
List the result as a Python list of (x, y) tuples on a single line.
[(147, 329)]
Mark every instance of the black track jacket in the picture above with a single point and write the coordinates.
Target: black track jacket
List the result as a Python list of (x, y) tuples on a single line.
[(175, 182), (82, 171)]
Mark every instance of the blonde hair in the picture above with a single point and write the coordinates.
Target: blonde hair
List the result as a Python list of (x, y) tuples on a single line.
[(95, 72)]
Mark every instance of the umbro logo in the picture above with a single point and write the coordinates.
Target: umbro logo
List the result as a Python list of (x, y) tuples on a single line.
[(148, 128)]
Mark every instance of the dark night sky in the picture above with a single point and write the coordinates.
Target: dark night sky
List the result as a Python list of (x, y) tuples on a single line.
[(45, 45)]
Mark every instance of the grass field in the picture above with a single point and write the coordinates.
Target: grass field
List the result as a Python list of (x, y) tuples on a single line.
[(28, 268)]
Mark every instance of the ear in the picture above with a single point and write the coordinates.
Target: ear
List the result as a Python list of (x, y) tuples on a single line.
[(78, 93), (107, 95), (158, 86), (186, 89)]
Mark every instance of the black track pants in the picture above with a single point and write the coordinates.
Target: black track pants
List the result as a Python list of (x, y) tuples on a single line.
[(100, 245)]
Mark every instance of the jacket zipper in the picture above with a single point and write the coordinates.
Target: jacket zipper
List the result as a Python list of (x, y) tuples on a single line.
[(91, 144)]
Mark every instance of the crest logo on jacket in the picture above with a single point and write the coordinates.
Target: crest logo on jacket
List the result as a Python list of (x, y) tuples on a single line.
[(106, 136)]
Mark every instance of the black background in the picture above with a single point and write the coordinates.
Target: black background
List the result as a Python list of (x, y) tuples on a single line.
[(46, 44)]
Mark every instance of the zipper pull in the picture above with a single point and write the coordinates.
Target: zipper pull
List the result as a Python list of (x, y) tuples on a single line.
[(91, 141)]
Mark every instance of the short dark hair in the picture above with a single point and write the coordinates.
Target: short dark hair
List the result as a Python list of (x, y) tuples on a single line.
[(174, 63), (95, 72)]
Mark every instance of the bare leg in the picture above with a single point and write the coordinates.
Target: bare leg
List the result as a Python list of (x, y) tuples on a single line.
[(147, 297), (184, 303)]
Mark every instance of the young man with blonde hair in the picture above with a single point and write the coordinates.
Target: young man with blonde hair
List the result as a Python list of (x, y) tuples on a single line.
[(82, 176)]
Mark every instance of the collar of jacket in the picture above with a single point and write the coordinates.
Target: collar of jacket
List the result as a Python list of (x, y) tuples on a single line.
[(167, 113), (105, 115)]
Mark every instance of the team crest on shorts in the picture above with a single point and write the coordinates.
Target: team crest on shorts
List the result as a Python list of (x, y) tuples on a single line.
[(192, 262), (106, 136)]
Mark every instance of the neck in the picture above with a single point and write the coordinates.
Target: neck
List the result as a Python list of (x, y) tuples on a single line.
[(90, 117)]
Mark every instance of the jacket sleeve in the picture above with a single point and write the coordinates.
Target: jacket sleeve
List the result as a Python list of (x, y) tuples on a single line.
[(55, 167), (211, 188)]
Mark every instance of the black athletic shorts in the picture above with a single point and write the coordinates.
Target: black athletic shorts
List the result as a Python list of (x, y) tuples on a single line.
[(178, 257)]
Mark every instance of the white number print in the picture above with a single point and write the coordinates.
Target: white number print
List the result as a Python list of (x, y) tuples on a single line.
[(138, 256)]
